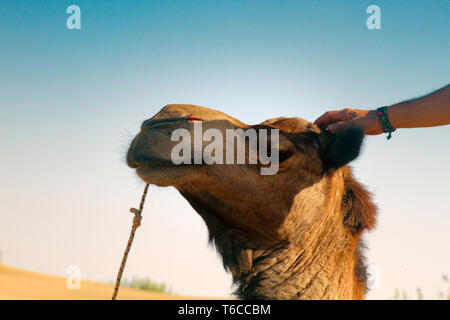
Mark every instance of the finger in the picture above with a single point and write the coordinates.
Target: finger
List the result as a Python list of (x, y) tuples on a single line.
[(336, 116), (327, 117)]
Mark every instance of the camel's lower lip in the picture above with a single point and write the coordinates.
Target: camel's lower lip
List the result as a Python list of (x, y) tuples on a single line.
[(142, 171), (136, 162)]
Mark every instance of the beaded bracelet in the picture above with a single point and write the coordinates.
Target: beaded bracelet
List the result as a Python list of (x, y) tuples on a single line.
[(384, 121)]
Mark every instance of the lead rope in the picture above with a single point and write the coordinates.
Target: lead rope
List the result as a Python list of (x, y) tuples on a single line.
[(136, 223)]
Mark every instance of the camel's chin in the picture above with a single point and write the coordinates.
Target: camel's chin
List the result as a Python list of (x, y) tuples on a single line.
[(162, 176)]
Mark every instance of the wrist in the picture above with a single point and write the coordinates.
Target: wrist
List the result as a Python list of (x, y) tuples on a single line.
[(384, 121), (371, 123)]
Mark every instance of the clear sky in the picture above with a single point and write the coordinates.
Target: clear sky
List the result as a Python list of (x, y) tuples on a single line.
[(71, 100)]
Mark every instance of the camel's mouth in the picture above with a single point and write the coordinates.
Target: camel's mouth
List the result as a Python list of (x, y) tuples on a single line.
[(154, 170), (143, 170), (153, 146), (140, 158), (146, 163), (142, 154)]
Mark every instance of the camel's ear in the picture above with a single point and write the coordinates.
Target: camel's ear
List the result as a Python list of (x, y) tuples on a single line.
[(336, 150)]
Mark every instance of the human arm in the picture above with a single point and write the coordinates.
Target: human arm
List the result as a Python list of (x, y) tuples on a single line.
[(427, 111)]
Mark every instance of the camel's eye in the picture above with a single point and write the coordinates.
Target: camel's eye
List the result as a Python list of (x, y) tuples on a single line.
[(191, 118), (284, 155)]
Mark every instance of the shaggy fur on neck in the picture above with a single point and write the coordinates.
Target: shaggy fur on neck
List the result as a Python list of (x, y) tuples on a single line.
[(320, 269)]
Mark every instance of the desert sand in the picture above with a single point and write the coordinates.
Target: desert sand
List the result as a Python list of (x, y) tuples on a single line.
[(26, 285)]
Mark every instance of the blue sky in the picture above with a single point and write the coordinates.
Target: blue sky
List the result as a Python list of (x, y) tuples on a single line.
[(71, 100)]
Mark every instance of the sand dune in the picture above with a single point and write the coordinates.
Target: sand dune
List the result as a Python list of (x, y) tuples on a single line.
[(20, 284)]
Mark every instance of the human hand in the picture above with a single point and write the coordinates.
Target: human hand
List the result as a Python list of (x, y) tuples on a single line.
[(342, 119)]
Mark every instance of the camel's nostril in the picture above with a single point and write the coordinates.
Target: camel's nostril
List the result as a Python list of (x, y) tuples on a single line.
[(154, 122)]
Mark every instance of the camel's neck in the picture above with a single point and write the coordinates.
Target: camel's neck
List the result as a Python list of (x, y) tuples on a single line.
[(316, 262), (316, 254)]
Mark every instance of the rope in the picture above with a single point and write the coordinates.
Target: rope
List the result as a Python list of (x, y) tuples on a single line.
[(136, 223)]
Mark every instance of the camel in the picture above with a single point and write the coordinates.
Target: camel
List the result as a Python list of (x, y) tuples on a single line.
[(292, 235)]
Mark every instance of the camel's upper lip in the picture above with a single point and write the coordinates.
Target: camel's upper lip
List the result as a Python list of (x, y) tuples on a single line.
[(132, 162)]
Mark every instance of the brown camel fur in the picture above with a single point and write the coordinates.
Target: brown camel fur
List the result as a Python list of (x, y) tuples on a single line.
[(292, 235)]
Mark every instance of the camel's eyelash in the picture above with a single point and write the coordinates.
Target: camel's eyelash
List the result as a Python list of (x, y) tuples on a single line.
[(284, 155)]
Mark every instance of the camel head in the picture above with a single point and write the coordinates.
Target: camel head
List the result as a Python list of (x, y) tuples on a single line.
[(308, 198)]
